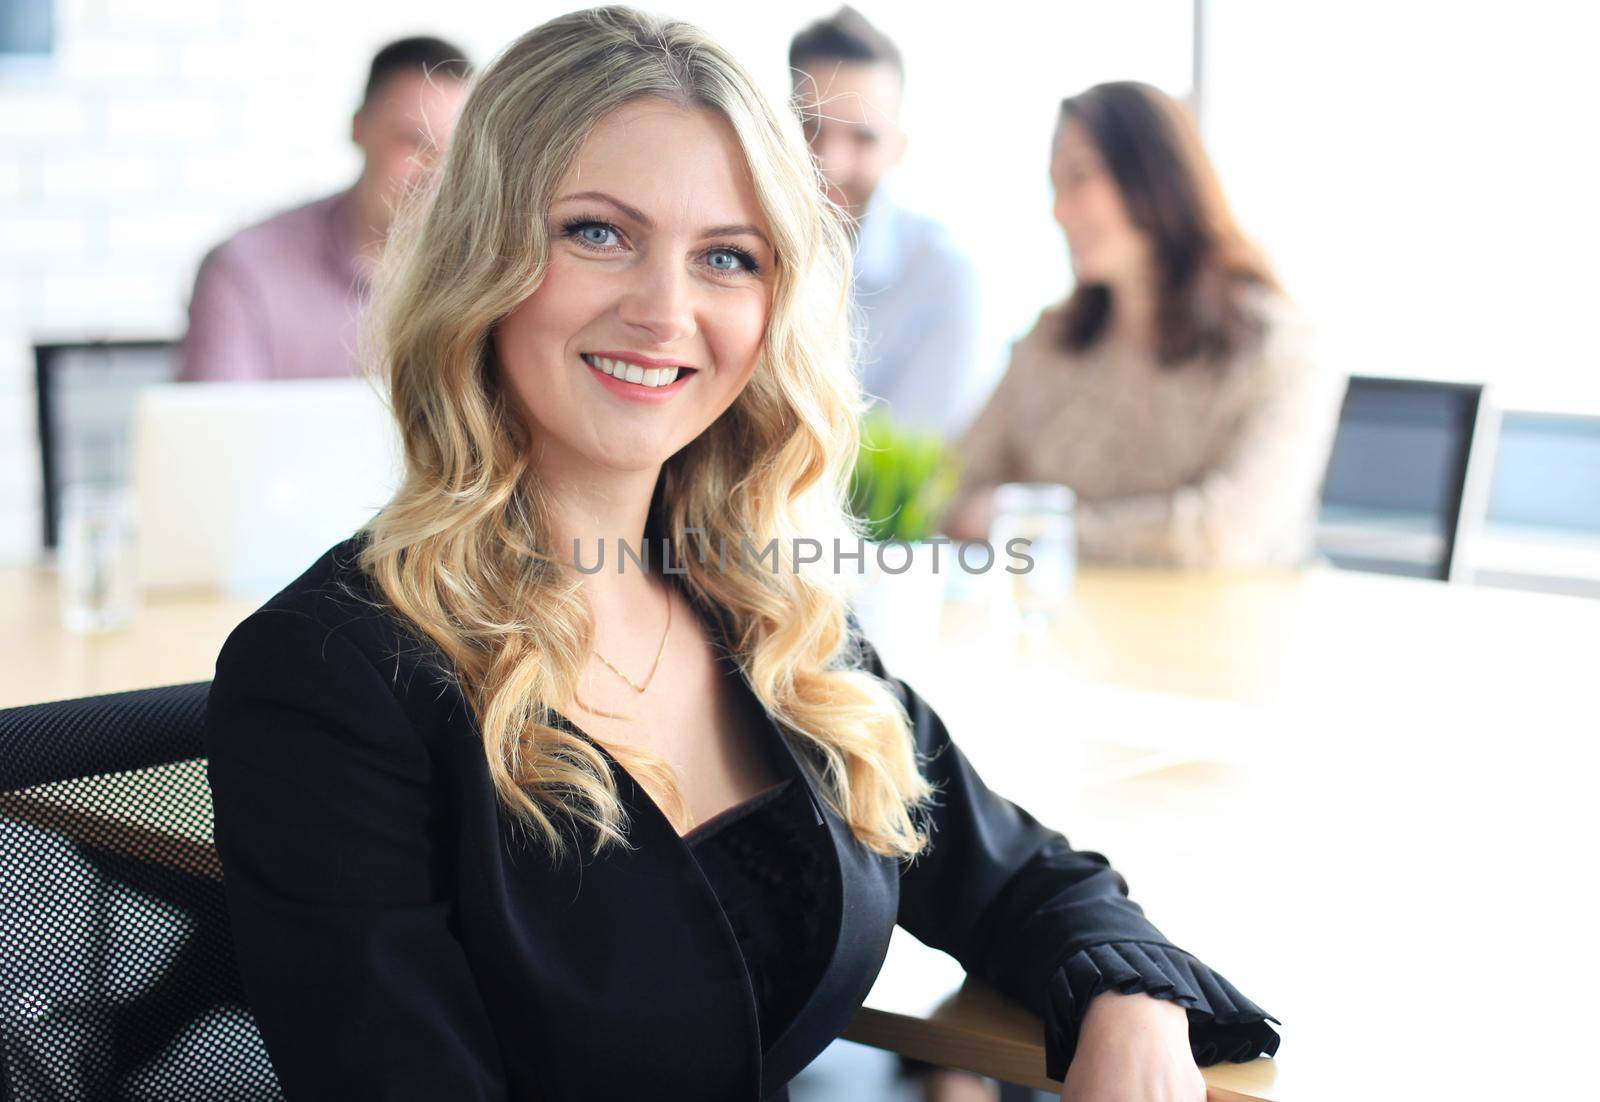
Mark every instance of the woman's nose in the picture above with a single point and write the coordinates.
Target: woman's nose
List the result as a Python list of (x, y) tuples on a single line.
[(660, 301)]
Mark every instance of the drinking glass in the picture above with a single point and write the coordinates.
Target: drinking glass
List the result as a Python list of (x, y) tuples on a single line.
[(1040, 572), (96, 556)]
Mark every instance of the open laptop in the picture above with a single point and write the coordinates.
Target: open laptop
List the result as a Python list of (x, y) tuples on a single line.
[(240, 486)]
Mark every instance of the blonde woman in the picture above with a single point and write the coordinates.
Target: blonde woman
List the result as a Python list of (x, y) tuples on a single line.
[(495, 824)]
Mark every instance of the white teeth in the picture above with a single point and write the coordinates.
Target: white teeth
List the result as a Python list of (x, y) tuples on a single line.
[(633, 373)]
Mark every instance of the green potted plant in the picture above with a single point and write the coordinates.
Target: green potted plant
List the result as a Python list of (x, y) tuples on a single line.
[(903, 480)]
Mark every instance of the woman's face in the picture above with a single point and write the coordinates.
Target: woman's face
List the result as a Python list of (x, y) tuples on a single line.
[(650, 318), (1106, 246)]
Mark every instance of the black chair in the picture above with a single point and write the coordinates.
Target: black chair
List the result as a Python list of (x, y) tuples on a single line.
[(86, 393), (117, 973), (1407, 482)]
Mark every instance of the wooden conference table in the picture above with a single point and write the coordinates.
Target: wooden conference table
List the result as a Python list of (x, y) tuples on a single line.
[(1365, 800)]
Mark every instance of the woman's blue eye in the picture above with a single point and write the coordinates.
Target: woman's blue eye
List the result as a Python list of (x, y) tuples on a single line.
[(591, 233), (733, 260)]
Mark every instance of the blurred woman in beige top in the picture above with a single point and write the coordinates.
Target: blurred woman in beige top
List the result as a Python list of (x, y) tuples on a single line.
[(1176, 389)]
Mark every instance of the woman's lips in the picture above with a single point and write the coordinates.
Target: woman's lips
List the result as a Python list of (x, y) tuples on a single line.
[(632, 381)]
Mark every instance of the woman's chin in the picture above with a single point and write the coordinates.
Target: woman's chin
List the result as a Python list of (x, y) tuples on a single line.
[(1086, 272), (634, 456)]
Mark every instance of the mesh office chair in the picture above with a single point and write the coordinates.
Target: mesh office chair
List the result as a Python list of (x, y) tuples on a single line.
[(117, 975)]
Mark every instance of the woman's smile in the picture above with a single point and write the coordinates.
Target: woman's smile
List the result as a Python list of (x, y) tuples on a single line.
[(637, 377)]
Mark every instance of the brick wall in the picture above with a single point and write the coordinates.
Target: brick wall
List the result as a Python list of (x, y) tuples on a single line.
[(157, 129)]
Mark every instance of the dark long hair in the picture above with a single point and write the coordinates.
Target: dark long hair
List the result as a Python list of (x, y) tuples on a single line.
[(1204, 263)]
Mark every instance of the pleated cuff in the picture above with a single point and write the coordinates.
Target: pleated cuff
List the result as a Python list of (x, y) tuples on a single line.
[(1223, 1024)]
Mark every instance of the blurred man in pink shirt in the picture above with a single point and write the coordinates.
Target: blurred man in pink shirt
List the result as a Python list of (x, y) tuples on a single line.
[(282, 299)]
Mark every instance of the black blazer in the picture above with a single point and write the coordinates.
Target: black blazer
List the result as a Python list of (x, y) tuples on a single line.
[(397, 939)]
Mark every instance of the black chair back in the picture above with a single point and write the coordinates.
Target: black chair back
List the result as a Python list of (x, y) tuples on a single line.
[(117, 972), (86, 394)]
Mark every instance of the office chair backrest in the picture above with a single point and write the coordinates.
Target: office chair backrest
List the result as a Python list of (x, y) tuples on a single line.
[(86, 392), (117, 974), (1406, 482)]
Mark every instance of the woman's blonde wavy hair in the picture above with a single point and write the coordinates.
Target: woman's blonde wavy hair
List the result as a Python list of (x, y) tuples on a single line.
[(460, 550)]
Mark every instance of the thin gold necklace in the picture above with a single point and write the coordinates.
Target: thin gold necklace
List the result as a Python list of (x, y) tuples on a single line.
[(662, 649), (635, 686)]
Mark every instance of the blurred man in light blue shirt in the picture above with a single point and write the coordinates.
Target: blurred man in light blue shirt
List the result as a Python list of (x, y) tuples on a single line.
[(918, 293)]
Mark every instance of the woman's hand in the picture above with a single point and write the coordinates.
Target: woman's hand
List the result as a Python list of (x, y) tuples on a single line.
[(1133, 1048)]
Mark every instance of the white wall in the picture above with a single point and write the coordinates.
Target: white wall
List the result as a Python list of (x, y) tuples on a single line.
[(1427, 177)]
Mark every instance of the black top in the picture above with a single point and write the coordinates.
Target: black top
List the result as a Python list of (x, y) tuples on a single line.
[(400, 937), (768, 868)]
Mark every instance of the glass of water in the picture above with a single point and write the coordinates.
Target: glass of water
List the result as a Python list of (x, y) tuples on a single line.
[(96, 557), (1040, 571)]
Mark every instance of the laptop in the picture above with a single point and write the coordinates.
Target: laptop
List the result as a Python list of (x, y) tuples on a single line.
[(240, 486)]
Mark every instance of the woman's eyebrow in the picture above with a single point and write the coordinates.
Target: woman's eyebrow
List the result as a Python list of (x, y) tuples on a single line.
[(643, 219), (736, 228)]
